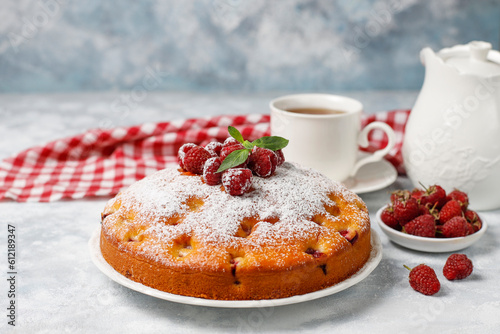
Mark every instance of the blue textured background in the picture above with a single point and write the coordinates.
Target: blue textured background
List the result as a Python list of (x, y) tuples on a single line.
[(235, 45)]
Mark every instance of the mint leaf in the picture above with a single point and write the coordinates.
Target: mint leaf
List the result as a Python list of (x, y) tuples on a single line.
[(234, 159), (235, 133), (248, 144), (273, 143)]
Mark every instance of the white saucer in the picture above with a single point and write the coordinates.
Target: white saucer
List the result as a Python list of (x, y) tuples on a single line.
[(373, 261), (371, 177)]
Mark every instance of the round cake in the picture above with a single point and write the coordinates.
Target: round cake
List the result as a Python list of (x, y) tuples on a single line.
[(291, 234)]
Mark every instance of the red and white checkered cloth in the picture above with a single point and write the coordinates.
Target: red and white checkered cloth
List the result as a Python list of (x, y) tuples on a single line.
[(102, 162)]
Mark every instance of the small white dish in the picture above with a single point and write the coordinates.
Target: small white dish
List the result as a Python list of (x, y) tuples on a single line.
[(100, 262), (430, 245), (371, 177)]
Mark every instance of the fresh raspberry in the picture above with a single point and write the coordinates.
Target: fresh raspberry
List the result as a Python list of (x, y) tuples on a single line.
[(400, 195), (470, 229), (435, 196), (406, 210), (182, 153), (458, 266), (455, 227), (226, 150), (424, 280), (473, 218), (195, 159), (387, 216), (230, 141), (417, 194), (422, 226), (214, 148), (280, 156), (237, 181), (426, 210), (210, 175), (230, 149), (460, 197), (451, 209), (262, 161)]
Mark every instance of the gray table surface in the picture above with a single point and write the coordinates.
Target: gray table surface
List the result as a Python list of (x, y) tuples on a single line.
[(59, 290)]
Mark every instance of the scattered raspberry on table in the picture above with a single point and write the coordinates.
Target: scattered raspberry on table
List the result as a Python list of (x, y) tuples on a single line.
[(424, 280), (457, 266)]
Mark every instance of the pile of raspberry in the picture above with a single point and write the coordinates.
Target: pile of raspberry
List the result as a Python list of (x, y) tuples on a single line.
[(431, 213), (205, 161)]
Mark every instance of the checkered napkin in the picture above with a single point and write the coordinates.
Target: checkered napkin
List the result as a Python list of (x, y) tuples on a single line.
[(102, 162)]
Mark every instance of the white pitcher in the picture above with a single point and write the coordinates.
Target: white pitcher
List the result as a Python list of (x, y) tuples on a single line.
[(452, 137)]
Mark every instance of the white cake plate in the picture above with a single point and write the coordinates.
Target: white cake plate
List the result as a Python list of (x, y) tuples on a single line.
[(97, 258)]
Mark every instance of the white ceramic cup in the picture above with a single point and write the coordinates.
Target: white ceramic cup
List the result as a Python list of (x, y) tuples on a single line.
[(326, 142)]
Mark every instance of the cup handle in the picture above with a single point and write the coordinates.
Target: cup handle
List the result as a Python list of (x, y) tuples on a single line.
[(363, 142)]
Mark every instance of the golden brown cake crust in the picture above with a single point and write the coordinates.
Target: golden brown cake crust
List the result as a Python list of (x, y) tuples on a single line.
[(294, 233)]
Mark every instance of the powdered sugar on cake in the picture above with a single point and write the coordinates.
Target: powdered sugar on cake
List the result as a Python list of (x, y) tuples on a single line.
[(284, 204)]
